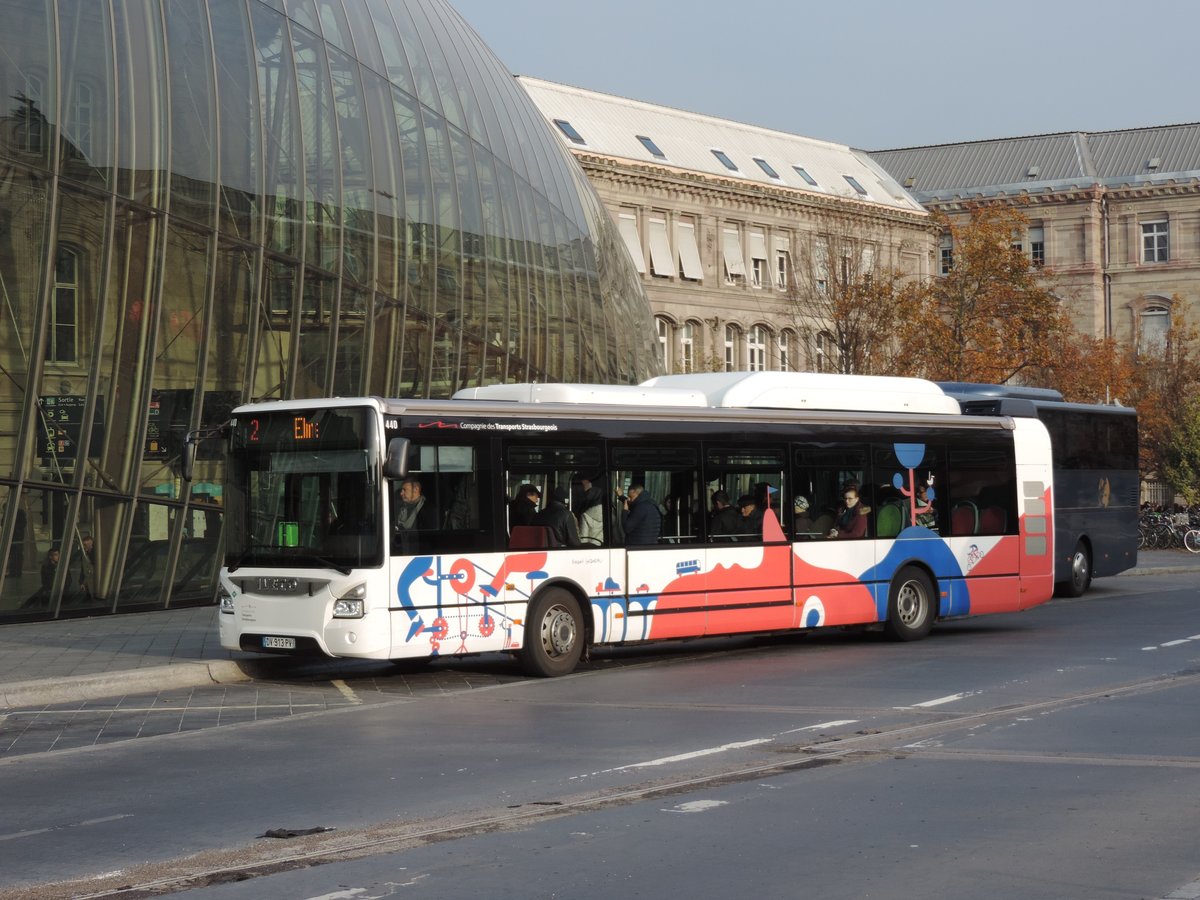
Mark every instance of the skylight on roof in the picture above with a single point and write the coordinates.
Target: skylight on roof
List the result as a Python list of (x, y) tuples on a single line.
[(803, 173), (766, 167), (725, 160), (651, 146), (569, 130), (853, 182)]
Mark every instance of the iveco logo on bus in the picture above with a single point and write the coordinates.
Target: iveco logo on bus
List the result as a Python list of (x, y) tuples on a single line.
[(278, 585)]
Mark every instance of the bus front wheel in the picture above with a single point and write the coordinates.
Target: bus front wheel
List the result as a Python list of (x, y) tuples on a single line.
[(554, 634), (910, 605)]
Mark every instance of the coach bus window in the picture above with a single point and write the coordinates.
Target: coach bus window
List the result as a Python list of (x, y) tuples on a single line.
[(552, 471), (820, 473), (754, 480), (671, 478), (981, 491), (909, 490), (438, 505)]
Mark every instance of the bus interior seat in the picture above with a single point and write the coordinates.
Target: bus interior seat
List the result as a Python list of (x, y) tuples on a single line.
[(822, 524), (993, 520), (531, 537), (889, 520), (964, 518)]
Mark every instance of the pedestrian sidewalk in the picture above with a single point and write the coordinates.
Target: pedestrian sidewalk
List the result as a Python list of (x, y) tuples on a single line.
[(81, 659)]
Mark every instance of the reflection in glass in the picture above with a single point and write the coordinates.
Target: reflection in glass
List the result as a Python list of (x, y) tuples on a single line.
[(262, 201)]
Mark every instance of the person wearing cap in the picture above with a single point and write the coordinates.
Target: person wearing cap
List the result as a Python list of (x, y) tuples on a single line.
[(723, 524), (802, 523), (524, 506), (751, 521), (556, 517)]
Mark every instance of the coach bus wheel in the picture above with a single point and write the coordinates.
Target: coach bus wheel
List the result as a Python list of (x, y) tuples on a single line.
[(1081, 571), (553, 634), (910, 605)]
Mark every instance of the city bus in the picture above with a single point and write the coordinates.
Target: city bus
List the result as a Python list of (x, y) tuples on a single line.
[(405, 529), (1095, 455)]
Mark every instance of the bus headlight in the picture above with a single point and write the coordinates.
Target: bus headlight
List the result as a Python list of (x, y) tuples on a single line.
[(351, 605), (224, 600)]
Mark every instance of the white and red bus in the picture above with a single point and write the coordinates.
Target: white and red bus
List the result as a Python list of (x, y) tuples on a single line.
[(392, 529)]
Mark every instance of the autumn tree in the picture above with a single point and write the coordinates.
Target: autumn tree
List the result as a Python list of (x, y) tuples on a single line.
[(991, 317), (1180, 464), (842, 294), (1087, 370)]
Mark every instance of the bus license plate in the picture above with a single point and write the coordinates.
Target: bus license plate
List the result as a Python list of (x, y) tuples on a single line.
[(279, 643)]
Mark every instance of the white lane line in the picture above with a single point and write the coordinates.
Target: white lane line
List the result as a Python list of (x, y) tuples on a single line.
[(35, 831), (1194, 637), (696, 806), (681, 757), (838, 723), (939, 701), (1176, 643)]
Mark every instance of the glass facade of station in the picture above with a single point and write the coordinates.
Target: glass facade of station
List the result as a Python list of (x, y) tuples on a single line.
[(204, 202)]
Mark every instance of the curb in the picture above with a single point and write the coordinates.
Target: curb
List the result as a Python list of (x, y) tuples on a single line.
[(1161, 570), (113, 684)]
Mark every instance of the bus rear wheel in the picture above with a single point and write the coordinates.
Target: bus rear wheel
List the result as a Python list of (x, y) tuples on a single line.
[(1081, 572), (910, 605), (554, 634)]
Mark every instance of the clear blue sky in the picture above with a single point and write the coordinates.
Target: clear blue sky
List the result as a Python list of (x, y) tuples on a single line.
[(875, 74)]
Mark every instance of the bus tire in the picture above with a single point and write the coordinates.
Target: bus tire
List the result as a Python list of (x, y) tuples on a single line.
[(1081, 572), (554, 634), (910, 605)]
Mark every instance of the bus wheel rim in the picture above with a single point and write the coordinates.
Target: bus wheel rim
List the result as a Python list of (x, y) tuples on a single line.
[(910, 603), (558, 631)]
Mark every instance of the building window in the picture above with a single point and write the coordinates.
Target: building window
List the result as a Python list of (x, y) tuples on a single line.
[(63, 336), (947, 253), (725, 160), (853, 182), (803, 173), (782, 265), (687, 348), (1037, 246), (766, 167), (756, 349), (785, 350), (569, 130), (80, 127), (1153, 327), (758, 259), (627, 225), (690, 268), (731, 341), (30, 117), (1155, 242), (735, 263), (652, 147), (664, 343), (824, 346), (662, 261)]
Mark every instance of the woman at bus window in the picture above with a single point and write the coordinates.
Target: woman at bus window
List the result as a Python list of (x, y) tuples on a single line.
[(851, 518), (591, 513)]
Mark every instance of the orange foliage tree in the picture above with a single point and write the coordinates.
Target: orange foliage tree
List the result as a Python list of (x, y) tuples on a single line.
[(992, 317)]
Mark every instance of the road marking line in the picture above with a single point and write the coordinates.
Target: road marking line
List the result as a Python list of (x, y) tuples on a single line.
[(837, 723), (696, 806), (939, 701), (1176, 643), (35, 831), (346, 691), (695, 754)]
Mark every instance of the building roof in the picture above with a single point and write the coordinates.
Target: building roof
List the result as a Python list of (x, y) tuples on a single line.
[(1047, 161), (606, 125)]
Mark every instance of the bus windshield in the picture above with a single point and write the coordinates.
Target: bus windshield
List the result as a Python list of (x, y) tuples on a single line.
[(303, 490)]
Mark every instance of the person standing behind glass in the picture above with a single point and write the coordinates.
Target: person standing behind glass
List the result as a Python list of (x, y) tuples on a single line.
[(641, 519), (591, 513)]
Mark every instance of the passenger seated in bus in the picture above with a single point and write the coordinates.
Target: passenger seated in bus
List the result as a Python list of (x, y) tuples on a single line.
[(591, 512), (524, 506), (926, 514), (641, 518), (412, 512), (724, 522), (750, 525), (803, 526), (851, 518), (558, 519)]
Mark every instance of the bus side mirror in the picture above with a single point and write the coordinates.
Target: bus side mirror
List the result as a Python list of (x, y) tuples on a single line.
[(396, 463)]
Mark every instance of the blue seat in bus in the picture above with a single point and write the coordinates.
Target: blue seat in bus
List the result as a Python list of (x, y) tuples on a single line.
[(889, 521)]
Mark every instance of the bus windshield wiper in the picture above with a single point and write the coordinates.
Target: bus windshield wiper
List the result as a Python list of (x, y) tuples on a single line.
[(250, 551), (311, 557)]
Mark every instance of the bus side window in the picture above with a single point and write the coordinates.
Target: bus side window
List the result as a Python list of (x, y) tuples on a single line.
[(982, 491), (671, 480), (753, 483), (820, 473)]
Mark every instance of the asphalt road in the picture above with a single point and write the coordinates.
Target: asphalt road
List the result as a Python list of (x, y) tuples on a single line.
[(1049, 754)]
